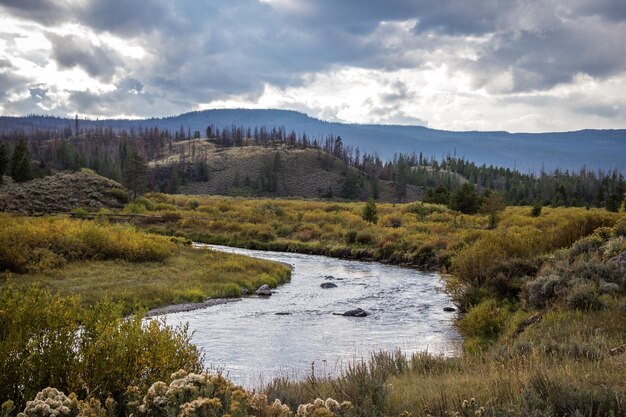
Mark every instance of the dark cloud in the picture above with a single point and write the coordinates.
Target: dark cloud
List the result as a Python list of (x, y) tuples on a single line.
[(8, 82), (42, 11), (72, 51), (127, 17), (205, 50)]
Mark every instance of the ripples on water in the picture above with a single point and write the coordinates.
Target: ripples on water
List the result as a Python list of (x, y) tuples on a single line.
[(247, 340)]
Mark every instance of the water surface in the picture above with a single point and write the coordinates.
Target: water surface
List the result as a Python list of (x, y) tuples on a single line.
[(248, 340)]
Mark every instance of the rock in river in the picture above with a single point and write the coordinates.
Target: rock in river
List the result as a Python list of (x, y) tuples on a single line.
[(449, 309), (328, 285), (357, 312), (264, 290)]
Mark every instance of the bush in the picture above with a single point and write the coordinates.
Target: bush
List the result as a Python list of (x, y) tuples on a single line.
[(585, 298), (535, 211), (328, 408), (620, 227), (171, 217), (544, 289), (47, 340), (484, 322), (118, 194), (350, 236), (29, 244), (364, 238)]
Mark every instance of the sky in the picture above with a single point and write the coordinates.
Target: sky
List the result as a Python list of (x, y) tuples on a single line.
[(526, 65)]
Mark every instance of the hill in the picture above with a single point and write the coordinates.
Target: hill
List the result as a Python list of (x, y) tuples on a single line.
[(259, 171), (528, 152), (61, 192)]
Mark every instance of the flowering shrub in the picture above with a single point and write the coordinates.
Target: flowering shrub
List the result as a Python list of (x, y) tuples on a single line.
[(328, 408), (48, 403), (204, 395)]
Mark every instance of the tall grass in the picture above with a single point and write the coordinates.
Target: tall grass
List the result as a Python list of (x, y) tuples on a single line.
[(34, 244), (100, 261)]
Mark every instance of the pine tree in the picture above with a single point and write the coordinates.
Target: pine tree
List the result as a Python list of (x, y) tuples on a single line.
[(370, 213), (4, 160), (173, 184), (614, 202), (21, 169), (135, 174), (465, 199)]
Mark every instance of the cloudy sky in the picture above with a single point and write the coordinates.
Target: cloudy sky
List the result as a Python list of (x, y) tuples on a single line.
[(526, 65)]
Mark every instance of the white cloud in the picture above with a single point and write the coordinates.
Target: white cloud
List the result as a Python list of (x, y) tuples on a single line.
[(445, 99), (475, 64)]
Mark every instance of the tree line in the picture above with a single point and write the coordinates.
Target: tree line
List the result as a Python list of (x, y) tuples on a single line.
[(122, 155)]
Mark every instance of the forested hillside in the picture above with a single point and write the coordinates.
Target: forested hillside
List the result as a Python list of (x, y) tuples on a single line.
[(264, 161), (527, 152)]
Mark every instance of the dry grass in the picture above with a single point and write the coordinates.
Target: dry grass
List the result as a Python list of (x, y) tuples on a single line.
[(422, 235), (191, 276), (235, 171), (62, 192), (101, 261)]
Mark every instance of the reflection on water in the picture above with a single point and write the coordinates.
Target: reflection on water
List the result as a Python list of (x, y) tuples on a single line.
[(247, 339)]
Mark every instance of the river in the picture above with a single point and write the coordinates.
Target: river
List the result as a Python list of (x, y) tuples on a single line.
[(251, 344)]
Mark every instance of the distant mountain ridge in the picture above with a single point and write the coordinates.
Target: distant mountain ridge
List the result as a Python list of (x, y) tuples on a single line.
[(527, 152)]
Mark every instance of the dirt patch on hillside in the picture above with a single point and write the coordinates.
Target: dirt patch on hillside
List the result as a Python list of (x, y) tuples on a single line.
[(61, 192)]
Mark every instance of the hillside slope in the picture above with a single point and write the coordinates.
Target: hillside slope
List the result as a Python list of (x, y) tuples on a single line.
[(274, 171), (61, 192), (594, 149)]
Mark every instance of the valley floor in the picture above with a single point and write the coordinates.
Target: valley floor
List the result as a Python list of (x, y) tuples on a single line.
[(543, 296)]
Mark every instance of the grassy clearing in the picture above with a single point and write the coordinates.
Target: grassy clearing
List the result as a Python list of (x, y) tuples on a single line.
[(100, 261), (191, 276)]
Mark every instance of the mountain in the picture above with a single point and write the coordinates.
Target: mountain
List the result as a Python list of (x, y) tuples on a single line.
[(528, 152)]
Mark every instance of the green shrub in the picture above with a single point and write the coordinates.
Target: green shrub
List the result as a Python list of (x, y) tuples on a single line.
[(350, 236), (47, 340), (484, 322), (119, 194), (585, 298), (364, 238), (535, 211)]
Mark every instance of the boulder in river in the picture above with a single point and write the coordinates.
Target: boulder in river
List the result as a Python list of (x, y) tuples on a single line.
[(282, 313), (329, 277), (449, 309), (328, 285), (264, 291), (357, 312)]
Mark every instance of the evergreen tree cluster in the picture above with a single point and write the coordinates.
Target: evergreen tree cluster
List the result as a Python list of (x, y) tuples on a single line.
[(18, 163)]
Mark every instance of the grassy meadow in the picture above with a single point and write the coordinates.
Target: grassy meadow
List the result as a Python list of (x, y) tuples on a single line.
[(97, 260), (542, 295), (421, 235), (542, 300)]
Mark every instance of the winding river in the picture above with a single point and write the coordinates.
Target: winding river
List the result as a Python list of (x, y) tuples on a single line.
[(251, 344)]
